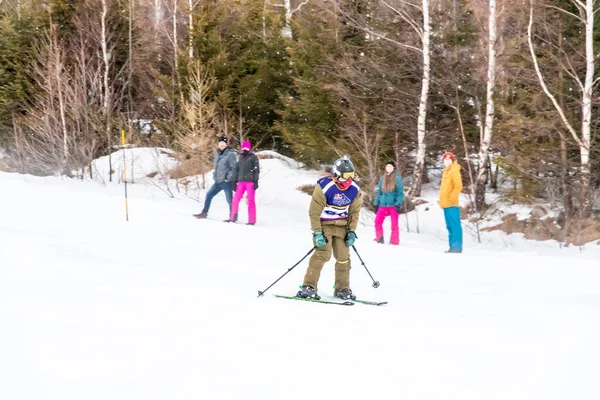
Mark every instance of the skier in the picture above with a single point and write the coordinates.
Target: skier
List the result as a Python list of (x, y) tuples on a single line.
[(333, 212), (449, 190), (388, 202), (225, 164), (246, 180)]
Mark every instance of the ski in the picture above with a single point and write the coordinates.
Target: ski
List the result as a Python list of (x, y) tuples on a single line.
[(367, 302), (371, 303), (339, 303)]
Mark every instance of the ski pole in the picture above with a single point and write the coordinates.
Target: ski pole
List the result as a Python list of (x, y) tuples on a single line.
[(375, 283), (260, 293)]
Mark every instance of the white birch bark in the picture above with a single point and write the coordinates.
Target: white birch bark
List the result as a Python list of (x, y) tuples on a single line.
[(191, 29), (58, 68), (417, 180), (288, 12), (588, 87), (107, 92), (158, 14), (176, 53), (489, 109)]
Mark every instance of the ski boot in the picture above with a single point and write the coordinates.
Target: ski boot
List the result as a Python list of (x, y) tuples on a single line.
[(200, 216), (380, 240), (306, 292), (234, 220), (345, 294)]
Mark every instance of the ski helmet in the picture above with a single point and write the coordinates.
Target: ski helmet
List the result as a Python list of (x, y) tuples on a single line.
[(343, 168)]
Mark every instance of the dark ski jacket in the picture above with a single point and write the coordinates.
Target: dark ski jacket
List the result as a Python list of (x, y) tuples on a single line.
[(225, 166), (248, 168)]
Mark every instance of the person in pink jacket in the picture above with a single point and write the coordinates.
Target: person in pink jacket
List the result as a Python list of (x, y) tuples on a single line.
[(246, 181)]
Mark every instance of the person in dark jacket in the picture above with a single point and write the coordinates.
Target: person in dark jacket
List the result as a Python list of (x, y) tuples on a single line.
[(246, 180), (388, 201), (225, 165)]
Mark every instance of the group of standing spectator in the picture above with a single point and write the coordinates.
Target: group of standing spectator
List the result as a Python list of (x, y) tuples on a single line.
[(236, 176)]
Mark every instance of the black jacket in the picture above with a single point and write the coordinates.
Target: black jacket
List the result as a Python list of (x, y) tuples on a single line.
[(248, 168)]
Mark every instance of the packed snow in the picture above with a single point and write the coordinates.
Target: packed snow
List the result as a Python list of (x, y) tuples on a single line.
[(165, 306)]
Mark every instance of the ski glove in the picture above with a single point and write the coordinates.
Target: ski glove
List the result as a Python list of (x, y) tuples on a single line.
[(320, 239), (399, 208), (255, 185), (350, 238), (375, 208)]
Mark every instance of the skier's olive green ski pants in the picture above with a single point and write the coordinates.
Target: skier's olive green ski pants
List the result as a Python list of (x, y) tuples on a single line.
[(335, 242)]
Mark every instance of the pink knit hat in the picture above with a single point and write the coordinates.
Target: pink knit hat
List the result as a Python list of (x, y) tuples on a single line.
[(246, 145)]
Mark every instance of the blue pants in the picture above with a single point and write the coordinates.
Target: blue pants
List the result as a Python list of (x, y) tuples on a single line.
[(455, 235), (214, 190)]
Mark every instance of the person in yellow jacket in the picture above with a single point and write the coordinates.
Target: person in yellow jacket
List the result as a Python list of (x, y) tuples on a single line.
[(449, 190)]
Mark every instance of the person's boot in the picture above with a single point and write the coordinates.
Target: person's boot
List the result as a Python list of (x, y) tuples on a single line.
[(251, 223), (454, 251), (201, 215), (345, 294), (232, 220), (307, 292), (380, 240)]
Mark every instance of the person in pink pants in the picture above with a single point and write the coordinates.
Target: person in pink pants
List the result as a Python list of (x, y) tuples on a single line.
[(246, 174), (388, 202)]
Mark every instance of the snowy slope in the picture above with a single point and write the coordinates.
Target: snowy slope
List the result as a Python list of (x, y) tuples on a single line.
[(164, 306)]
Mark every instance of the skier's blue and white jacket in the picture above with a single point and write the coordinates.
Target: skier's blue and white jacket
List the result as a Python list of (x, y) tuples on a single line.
[(333, 205)]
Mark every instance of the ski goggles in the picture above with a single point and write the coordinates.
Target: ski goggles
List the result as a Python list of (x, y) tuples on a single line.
[(347, 175)]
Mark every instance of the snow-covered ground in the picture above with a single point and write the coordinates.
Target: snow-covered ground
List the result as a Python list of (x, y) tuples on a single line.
[(165, 306)]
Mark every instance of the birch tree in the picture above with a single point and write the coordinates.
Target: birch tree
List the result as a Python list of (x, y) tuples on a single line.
[(417, 16), (192, 4), (585, 15), (425, 34), (489, 110), (175, 49), (107, 98)]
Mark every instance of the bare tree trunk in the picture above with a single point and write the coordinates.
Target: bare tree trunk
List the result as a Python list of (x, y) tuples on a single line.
[(106, 101), (264, 19), (176, 53), (61, 106), (18, 133), (241, 120), (586, 123), (397, 149), (191, 29), (57, 63), (465, 145), (158, 13), (489, 110), (288, 12), (417, 180), (130, 73)]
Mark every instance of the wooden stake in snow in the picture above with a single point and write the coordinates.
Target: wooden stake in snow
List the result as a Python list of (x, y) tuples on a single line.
[(125, 174)]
